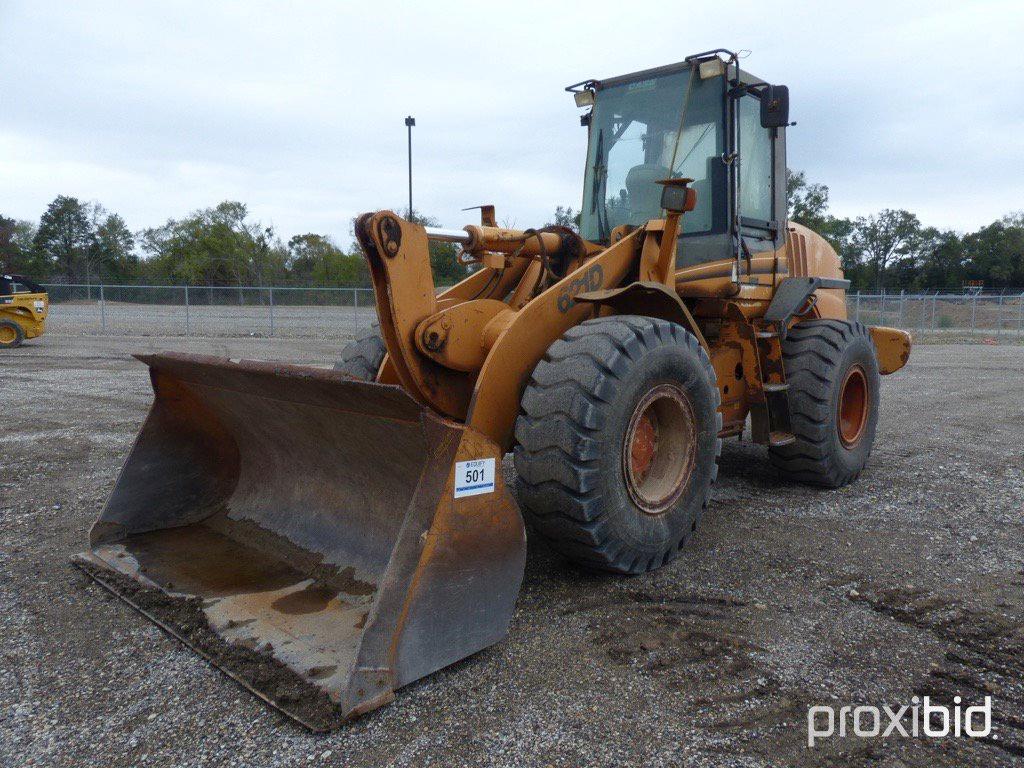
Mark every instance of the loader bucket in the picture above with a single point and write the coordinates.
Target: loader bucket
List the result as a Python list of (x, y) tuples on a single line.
[(317, 524)]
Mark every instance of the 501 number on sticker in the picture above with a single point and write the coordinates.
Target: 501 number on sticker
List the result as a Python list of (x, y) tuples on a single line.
[(474, 477)]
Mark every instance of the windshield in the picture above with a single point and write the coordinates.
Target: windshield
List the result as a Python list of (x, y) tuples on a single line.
[(638, 135)]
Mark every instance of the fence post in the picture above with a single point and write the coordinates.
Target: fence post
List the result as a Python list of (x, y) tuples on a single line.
[(355, 308), (974, 310), (999, 315), (103, 311), (856, 316), (271, 310), (1020, 313), (899, 322), (186, 310), (935, 301)]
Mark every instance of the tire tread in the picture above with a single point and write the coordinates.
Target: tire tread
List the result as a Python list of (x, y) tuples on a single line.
[(557, 463), (812, 353)]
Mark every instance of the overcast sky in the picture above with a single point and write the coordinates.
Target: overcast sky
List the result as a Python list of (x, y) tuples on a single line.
[(296, 108)]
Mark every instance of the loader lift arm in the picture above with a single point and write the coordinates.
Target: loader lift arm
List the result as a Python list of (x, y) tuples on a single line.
[(468, 357)]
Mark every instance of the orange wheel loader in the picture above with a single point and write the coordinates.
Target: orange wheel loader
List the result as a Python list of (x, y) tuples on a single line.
[(353, 527)]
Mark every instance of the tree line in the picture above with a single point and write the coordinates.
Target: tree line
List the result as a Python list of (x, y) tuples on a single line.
[(81, 242), (892, 249)]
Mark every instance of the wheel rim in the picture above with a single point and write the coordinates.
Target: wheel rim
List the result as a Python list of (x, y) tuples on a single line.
[(659, 449), (854, 402), (7, 334)]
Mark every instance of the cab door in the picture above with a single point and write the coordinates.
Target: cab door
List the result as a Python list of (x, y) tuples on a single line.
[(761, 181)]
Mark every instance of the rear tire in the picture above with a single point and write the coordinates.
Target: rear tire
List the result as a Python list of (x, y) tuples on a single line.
[(11, 334), (617, 442), (832, 370), (363, 357)]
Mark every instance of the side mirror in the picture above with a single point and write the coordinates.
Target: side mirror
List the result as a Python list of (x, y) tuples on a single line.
[(775, 106)]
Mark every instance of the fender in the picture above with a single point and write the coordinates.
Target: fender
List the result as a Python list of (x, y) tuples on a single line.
[(649, 299)]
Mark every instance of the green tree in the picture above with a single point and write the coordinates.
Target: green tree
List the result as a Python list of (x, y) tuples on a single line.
[(17, 253), (216, 246), (886, 237), (995, 253), (114, 248), (942, 260), (315, 259), (566, 217), (65, 236), (808, 202)]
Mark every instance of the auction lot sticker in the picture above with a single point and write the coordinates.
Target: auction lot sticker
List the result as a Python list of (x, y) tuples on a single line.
[(474, 477)]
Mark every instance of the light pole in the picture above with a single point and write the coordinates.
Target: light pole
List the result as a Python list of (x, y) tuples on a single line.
[(409, 123)]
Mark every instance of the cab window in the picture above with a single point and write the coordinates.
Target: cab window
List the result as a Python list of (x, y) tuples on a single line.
[(644, 131), (698, 150), (755, 163)]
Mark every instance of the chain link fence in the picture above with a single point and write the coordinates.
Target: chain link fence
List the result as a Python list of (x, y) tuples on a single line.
[(341, 313), (210, 311), (942, 315)]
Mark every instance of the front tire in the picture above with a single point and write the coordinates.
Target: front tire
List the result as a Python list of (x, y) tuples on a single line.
[(832, 370), (11, 335), (617, 442)]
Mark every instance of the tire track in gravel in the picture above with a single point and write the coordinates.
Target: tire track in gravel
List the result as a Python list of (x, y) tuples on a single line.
[(987, 658)]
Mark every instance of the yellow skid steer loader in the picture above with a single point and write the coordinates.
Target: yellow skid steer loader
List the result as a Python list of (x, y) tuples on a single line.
[(350, 530), (24, 306)]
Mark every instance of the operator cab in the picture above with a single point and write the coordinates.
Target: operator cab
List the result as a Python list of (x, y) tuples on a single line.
[(11, 285), (700, 119)]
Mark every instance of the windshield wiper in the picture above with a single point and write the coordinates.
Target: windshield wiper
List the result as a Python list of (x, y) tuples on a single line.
[(596, 184), (598, 187)]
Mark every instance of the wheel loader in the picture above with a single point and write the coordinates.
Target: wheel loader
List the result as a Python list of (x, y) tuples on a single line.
[(24, 306), (353, 526)]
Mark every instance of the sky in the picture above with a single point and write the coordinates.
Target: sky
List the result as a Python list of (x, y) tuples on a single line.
[(297, 108)]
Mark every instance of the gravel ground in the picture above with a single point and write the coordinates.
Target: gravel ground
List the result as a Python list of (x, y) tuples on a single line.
[(907, 583)]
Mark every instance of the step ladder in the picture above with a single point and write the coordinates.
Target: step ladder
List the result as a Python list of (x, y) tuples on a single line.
[(774, 386)]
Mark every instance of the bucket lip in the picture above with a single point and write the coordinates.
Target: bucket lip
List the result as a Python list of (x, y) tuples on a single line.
[(173, 361), (193, 368)]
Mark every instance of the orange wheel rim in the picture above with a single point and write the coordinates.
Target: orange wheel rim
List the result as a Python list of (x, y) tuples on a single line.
[(642, 446), (854, 404), (7, 335), (658, 453)]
